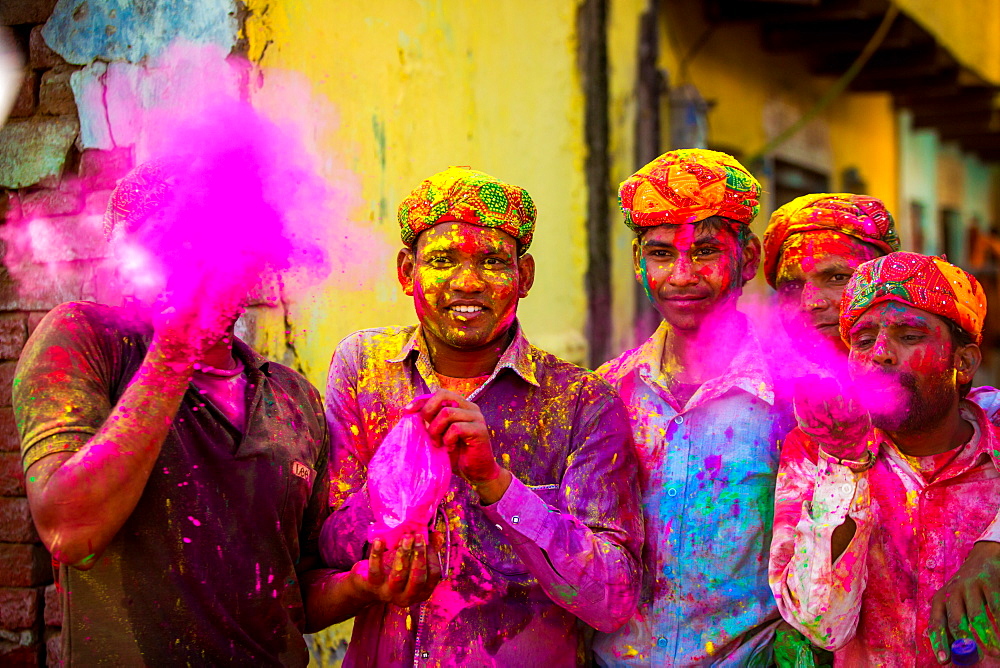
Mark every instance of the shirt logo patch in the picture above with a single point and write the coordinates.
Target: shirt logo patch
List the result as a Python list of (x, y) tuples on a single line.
[(301, 470)]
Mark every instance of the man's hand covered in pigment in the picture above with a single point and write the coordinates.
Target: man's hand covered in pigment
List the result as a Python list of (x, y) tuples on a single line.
[(967, 606), (403, 578), (458, 425), (837, 421)]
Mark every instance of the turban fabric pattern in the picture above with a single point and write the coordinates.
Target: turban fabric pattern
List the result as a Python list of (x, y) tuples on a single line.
[(925, 282), (859, 216), (688, 186), (137, 196), (463, 195)]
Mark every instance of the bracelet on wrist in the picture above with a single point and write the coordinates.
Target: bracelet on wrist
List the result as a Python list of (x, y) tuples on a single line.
[(858, 466)]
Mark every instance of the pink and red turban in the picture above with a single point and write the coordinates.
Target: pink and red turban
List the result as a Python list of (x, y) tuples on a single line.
[(925, 282)]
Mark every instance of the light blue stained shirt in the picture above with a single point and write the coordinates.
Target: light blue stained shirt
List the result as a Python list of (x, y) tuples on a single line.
[(708, 473)]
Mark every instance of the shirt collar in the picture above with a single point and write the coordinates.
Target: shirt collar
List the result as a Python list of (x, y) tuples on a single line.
[(747, 371), (519, 357), (251, 358)]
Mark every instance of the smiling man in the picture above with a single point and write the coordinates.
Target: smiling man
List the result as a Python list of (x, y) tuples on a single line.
[(885, 527), (812, 246), (705, 418), (540, 533)]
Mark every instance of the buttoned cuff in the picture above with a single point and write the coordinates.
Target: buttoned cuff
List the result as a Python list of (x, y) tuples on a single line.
[(522, 515)]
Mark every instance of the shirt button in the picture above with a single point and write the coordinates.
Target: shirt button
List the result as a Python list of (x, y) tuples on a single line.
[(515, 519), (671, 492), (930, 563), (679, 420), (847, 488), (662, 642)]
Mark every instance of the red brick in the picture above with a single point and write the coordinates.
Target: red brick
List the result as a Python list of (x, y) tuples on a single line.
[(25, 102), (96, 203), (53, 648), (13, 334), (40, 56), (36, 287), (19, 607), (55, 97), (23, 565), (6, 378), (25, 11), (35, 317), (10, 440), (17, 655), (11, 206), (11, 476), (53, 606), (102, 169), (46, 203), (16, 525)]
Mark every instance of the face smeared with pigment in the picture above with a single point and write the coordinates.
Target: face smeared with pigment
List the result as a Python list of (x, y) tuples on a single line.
[(906, 367), (691, 271), (812, 274), (465, 281)]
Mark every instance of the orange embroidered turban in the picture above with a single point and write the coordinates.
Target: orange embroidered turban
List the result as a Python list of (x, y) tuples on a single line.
[(858, 216), (463, 195), (926, 282), (688, 186)]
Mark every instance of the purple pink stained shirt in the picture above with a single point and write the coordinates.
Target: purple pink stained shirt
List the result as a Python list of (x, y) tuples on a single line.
[(708, 468), (917, 519), (525, 575)]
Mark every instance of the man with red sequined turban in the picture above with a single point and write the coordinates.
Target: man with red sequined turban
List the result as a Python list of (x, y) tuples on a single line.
[(886, 537)]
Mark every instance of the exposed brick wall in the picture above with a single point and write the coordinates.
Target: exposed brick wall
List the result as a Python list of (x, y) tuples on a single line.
[(46, 175), (62, 186)]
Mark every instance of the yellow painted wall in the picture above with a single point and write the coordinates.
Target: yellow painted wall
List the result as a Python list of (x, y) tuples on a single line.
[(970, 29), (409, 87), (623, 57)]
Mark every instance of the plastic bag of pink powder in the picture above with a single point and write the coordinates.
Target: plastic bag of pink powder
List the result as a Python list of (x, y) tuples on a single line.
[(407, 478)]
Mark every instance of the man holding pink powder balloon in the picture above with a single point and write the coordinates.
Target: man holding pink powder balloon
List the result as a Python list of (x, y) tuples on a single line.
[(540, 529)]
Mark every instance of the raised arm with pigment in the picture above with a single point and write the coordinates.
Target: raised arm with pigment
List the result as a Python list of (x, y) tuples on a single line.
[(88, 460), (818, 591)]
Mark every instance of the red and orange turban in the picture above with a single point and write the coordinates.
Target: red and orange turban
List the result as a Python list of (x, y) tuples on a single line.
[(688, 186), (462, 195), (859, 216), (925, 282)]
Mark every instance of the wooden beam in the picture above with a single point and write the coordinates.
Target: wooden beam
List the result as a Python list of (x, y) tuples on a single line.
[(824, 10), (826, 37), (592, 56)]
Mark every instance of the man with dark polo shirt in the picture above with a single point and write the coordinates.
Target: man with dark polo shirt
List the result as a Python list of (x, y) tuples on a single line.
[(178, 478), (539, 535)]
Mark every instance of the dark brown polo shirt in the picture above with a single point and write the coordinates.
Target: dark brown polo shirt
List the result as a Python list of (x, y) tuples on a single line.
[(204, 572)]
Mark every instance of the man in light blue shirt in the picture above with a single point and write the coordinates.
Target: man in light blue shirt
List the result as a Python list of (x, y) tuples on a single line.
[(706, 418)]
